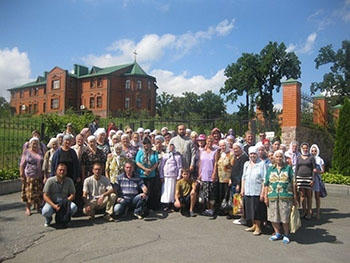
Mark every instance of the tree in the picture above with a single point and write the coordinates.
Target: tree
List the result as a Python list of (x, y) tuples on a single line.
[(212, 105), (163, 102), (258, 75), (337, 81), (242, 78), (341, 160), (4, 107)]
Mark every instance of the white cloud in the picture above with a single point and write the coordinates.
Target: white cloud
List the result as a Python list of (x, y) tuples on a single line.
[(309, 44), (14, 70), (177, 84), (153, 47), (304, 48)]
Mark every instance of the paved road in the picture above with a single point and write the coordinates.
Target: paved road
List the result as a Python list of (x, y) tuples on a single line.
[(169, 238)]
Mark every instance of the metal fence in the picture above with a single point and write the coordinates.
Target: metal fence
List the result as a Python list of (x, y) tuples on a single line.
[(14, 132)]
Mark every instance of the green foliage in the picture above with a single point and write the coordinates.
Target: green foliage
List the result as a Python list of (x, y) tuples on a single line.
[(341, 160), (9, 174), (335, 178), (55, 124), (336, 82), (190, 106), (257, 76)]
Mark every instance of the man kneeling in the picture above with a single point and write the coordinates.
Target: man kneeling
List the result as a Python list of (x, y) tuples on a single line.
[(98, 193), (185, 194), (59, 191)]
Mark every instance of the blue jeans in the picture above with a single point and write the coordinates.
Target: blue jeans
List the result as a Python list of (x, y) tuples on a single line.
[(48, 210), (137, 202)]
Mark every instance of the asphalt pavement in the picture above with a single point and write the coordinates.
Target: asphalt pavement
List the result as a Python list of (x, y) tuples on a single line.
[(163, 237)]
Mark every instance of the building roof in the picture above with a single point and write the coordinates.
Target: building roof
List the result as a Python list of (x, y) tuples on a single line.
[(82, 72)]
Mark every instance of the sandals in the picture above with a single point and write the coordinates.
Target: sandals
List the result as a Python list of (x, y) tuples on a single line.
[(285, 240)]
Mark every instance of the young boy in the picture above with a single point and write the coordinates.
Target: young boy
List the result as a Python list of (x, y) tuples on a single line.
[(185, 194)]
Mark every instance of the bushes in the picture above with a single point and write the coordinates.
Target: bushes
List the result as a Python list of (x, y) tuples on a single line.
[(335, 178), (9, 174)]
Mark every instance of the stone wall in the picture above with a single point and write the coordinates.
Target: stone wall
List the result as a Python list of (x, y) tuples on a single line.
[(312, 136)]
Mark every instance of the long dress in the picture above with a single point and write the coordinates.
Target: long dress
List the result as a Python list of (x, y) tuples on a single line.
[(32, 188)]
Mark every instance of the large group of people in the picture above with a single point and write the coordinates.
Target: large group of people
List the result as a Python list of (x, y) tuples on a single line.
[(115, 171)]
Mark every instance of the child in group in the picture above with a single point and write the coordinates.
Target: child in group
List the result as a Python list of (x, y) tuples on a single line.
[(185, 194)]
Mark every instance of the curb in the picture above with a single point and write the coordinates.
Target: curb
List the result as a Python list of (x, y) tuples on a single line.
[(338, 190), (10, 186)]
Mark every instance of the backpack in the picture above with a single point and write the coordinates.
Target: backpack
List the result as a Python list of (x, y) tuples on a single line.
[(63, 215)]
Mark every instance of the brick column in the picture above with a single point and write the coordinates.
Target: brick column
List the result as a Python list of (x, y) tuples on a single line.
[(320, 110), (291, 103)]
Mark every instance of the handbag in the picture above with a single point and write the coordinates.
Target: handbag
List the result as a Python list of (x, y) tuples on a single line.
[(237, 205), (323, 191), (295, 222)]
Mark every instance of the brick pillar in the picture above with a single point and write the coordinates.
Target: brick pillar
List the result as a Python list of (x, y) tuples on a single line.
[(291, 103), (320, 110)]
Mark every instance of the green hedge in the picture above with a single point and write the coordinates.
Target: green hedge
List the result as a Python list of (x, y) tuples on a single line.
[(9, 174), (332, 178)]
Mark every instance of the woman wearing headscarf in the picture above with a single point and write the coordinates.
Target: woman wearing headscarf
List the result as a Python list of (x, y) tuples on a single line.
[(147, 162), (315, 151), (101, 141), (169, 170), (280, 195), (224, 165), (293, 153), (52, 146), (254, 172), (305, 177), (32, 176), (115, 163)]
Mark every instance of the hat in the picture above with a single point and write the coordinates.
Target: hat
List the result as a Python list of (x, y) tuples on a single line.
[(69, 124), (252, 149), (201, 137)]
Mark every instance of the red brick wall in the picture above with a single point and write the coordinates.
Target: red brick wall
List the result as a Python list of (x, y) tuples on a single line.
[(291, 103)]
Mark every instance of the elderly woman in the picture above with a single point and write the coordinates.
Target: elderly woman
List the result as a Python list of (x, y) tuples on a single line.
[(129, 150), (65, 154), (92, 155), (31, 175), (315, 151), (280, 194), (305, 170), (52, 146), (147, 162), (254, 172), (115, 163), (224, 165), (101, 141)]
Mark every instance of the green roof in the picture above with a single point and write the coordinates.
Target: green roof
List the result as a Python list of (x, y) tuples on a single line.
[(135, 69)]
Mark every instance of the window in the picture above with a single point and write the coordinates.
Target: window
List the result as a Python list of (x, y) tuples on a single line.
[(92, 83), (30, 92), (138, 103), (13, 94), (36, 91), (56, 84), (99, 102), (55, 104), (99, 82), (44, 107), (35, 108), (139, 84), (127, 84), (149, 85), (30, 108), (21, 94), (44, 90), (92, 103), (127, 103)]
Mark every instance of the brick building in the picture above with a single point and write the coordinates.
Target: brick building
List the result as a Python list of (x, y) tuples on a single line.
[(104, 91)]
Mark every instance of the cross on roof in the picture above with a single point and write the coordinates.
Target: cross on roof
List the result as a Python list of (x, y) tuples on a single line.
[(135, 54)]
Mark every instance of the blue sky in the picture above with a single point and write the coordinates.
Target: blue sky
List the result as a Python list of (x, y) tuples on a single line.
[(185, 44)]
